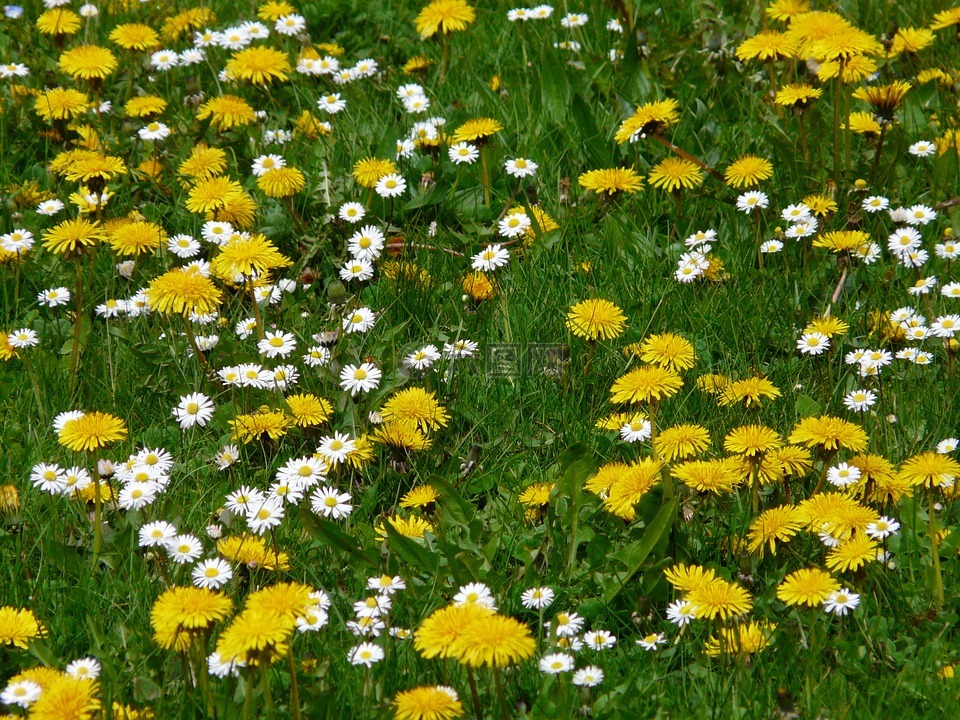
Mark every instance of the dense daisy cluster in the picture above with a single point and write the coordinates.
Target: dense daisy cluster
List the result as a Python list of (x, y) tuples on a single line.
[(451, 361)]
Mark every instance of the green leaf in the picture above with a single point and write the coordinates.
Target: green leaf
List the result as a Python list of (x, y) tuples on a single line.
[(455, 507), (588, 135), (412, 552), (554, 85), (634, 554), (807, 406), (332, 536)]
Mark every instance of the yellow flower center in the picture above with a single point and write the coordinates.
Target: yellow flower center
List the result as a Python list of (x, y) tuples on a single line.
[(276, 341), (211, 572), (331, 501), (360, 374), (192, 408)]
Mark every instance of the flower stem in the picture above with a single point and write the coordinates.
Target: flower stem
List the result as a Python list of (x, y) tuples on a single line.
[(502, 701), (294, 686), (486, 174), (78, 318), (256, 309), (680, 152), (248, 694), (935, 553), (876, 156), (97, 511), (477, 707)]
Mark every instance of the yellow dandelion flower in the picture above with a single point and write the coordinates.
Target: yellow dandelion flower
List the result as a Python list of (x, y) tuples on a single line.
[(259, 65), (778, 523), (716, 476), (668, 350), (675, 173), (18, 627), (281, 182), (750, 392), (476, 130), (798, 95), (493, 641), (418, 406), (809, 587), (631, 483), (719, 598), (829, 433), (647, 384), (596, 319), (227, 111), (853, 553), (182, 292), (412, 527), (651, 118), (134, 36), (309, 410), (444, 16), (744, 639), (136, 238), (681, 441), (436, 702), (58, 21), (767, 46), (88, 62), (611, 181), (92, 431), (748, 171)]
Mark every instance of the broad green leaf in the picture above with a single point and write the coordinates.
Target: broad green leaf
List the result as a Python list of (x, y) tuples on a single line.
[(589, 136), (634, 554), (554, 85), (807, 406), (458, 509), (332, 536), (412, 552)]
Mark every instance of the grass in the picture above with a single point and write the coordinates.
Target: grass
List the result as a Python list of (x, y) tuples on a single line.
[(510, 427)]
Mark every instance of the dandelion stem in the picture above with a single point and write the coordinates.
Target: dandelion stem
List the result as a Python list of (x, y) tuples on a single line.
[(294, 686), (876, 155), (256, 309), (687, 156), (593, 347), (248, 693), (501, 700), (97, 510), (75, 348), (935, 553), (201, 358), (803, 140), (477, 707), (836, 128), (484, 164), (36, 387)]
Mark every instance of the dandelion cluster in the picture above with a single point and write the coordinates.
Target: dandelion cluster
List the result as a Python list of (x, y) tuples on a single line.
[(432, 359)]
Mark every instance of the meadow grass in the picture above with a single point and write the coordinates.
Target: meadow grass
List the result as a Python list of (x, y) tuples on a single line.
[(525, 407)]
